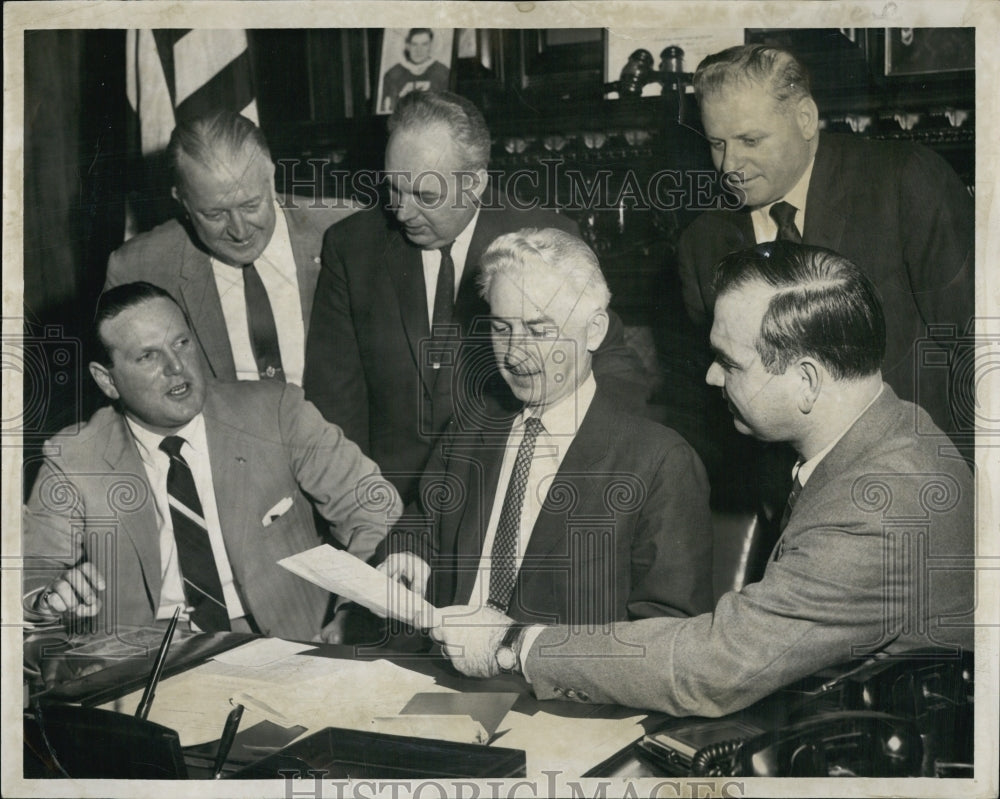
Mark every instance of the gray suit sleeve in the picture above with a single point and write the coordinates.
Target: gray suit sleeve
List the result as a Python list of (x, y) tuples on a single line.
[(824, 597), (346, 487)]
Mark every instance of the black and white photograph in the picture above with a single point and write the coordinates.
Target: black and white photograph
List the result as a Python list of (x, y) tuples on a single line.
[(410, 399), (413, 60)]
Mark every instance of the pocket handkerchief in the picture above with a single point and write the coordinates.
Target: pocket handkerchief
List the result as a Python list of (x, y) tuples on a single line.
[(277, 511)]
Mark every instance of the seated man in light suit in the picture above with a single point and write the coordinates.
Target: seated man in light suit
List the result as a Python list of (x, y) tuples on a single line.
[(188, 491), (242, 266), (578, 511), (798, 337)]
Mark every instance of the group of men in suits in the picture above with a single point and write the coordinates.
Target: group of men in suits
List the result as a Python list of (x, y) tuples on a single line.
[(463, 350)]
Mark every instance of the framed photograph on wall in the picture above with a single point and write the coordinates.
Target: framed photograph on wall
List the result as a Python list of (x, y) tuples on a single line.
[(927, 51), (413, 59)]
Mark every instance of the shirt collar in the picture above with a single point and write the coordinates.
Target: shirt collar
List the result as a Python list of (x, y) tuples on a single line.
[(804, 470), (796, 196), (148, 442), (564, 417)]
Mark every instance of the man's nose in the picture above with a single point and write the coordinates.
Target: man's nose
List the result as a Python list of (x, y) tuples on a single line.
[(715, 376), (732, 159), (237, 227), (406, 208), (172, 364)]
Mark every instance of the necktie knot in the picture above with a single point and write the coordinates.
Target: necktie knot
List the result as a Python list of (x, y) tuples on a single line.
[(172, 446), (783, 213), (533, 427)]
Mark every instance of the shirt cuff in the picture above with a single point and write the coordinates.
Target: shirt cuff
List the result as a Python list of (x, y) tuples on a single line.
[(530, 635)]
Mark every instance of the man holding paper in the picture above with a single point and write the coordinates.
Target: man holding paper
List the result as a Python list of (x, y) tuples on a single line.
[(188, 491), (569, 510)]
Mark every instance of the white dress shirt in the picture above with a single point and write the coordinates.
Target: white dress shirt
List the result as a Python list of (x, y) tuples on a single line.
[(278, 273), (157, 463), (561, 422), (432, 264), (765, 228)]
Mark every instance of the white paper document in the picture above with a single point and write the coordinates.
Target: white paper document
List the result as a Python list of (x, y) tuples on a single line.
[(347, 576)]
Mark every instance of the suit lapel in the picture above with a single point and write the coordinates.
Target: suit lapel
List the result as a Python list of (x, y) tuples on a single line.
[(200, 298), (470, 525), (140, 524), (406, 270), (589, 447), (230, 461), (306, 245), (470, 308), (827, 201)]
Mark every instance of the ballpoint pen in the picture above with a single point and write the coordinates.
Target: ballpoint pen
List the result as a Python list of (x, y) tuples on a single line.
[(154, 676), (226, 741)]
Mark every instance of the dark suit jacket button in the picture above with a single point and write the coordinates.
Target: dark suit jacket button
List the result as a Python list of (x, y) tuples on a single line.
[(570, 693), (583, 696)]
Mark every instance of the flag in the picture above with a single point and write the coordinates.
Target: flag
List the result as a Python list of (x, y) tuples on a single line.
[(173, 75)]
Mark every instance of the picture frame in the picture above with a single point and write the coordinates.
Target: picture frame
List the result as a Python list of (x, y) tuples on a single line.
[(929, 51), (413, 59)]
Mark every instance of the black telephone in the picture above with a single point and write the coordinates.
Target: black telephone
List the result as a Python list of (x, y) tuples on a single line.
[(883, 718)]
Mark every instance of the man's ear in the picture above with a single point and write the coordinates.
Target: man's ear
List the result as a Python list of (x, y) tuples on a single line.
[(597, 329), (810, 383), (807, 116), (105, 382)]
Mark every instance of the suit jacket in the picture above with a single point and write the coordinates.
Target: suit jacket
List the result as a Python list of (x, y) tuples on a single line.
[(876, 557), (171, 257), (369, 332), (624, 531), (92, 502), (900, 213)]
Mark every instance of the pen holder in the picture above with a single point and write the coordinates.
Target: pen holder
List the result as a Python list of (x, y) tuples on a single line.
[(89, 743)]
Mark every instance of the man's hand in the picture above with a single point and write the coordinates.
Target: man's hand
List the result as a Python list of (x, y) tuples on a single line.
[(409, 569), (77, 591), (334, 632), (470, 637)]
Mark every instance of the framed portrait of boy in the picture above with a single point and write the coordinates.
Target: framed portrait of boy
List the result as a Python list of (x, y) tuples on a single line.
[(413, 60)]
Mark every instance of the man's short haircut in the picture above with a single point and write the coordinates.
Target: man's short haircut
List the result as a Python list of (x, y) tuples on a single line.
[(114, 301), (563, 254), (463, 120), (823, 307), (777, 70), (414, 31), (204, 139)]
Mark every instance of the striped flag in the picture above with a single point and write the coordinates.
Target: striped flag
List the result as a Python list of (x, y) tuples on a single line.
[(173, 75)]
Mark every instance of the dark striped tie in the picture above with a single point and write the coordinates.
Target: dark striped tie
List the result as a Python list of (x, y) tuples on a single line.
[(444, 291), (784, 215), (504, 556), (263, 331), (202, 587), (793, 497)]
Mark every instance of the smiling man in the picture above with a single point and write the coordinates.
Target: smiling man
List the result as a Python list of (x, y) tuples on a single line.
[(877, 538), (241, 261), (894, 208), (187, 492), (398, 342), (577, 512)]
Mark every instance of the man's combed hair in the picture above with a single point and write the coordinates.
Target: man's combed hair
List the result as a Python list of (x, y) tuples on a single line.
[(823, 307), (563, 254), (460, 116), (205, 138), (778, 70), (114, 301)]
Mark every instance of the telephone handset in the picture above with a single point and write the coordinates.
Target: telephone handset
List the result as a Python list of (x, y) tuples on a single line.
[(882, 718)]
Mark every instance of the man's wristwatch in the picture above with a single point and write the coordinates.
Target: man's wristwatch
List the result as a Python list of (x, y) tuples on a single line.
[(508, 654)]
